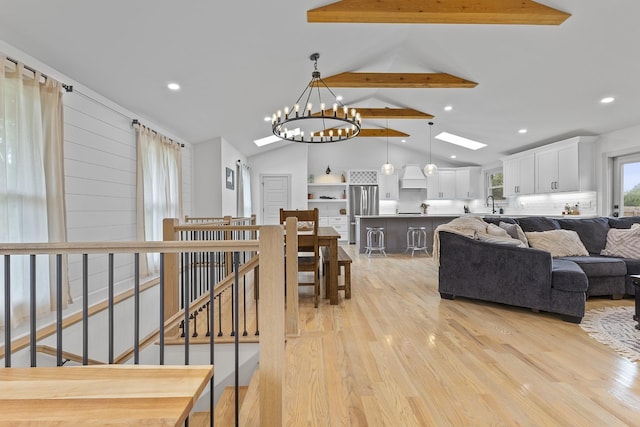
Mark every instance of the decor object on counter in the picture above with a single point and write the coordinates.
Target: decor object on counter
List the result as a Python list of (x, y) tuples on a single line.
[(310, 180), (339, 124), (424, 207), (343, 178), (614, 327), (430, 169), (387, 168), (343, 211)]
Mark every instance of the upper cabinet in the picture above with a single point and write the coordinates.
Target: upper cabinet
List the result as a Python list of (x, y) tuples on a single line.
[(389, 187), (442, 185), (467, 183), (562, 166), (565, 166), (519, 174)]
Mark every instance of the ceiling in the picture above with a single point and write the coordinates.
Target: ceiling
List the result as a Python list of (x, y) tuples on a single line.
[(239, 61)]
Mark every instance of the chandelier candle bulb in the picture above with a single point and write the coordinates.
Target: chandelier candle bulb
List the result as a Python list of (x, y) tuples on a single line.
[(335, 110)]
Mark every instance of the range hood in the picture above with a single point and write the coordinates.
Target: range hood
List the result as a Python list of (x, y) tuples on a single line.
[(412, 177)]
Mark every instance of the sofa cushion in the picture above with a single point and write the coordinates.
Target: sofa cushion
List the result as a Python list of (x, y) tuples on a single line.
[(515, 231), (598, 266), (623, 243), (498, 219), (500, 240), (568, 276), (494, 230), (561, 243), (538, 223), (592, 231), (624, 222)]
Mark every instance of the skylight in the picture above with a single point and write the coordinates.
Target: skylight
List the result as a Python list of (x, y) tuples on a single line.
[(458, 140), (271, 139)]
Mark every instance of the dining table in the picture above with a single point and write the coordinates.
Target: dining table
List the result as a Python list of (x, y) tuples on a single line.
[(101, 395)]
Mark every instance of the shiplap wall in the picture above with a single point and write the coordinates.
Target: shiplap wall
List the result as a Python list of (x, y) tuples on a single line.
[(100, 184)]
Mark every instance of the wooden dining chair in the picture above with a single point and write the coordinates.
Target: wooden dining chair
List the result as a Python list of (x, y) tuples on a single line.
[(308, 250)]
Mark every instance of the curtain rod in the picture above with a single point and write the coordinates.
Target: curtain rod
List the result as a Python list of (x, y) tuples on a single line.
[(68, 88), (136, 122)]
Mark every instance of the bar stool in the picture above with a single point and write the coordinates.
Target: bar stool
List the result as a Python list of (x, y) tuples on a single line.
[(375, 240), (417, 240)]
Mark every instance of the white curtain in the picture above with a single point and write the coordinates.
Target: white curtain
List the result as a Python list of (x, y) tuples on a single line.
[(244, 190), (32, 205), (159, 188)]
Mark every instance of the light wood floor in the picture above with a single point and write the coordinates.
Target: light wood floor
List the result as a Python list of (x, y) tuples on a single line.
[(398, 355)]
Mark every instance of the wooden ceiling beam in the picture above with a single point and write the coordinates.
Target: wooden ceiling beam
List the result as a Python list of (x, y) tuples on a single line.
[(511, 12), (392, 113), (398, 80), (385, 113), (375, 133)]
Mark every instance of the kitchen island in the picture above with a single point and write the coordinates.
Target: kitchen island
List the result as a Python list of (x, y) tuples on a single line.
[(395, 229)]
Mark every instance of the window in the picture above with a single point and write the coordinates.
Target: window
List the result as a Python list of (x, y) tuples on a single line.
[(627, 185), (494, 180)]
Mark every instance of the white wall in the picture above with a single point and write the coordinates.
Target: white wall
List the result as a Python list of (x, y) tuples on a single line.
[(211, 196), (363, 153), (289, 160)]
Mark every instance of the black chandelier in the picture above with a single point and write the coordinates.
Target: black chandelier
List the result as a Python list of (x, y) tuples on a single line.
[(302, 125)]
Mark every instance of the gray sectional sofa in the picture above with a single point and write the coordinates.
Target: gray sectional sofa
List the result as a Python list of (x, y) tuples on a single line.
[(531, 278)]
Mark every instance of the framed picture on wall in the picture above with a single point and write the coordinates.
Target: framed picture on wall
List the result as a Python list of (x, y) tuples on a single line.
[(230, 179)]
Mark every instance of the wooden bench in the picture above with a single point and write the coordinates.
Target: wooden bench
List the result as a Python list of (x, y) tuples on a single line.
[(344, 261)]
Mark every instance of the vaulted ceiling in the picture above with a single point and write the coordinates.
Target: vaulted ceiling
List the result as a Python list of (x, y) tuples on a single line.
[(238, 62)]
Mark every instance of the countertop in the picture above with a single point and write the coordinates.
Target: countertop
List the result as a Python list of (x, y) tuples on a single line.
[(483, 215)]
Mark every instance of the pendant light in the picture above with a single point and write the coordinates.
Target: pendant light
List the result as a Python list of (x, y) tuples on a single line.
[(387, 168), (430, 169)]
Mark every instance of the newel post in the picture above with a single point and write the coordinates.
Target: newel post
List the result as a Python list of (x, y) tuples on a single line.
[(272, 333), (171, 269)]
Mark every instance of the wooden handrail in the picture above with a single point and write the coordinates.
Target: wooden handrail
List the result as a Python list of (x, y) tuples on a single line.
[(45, 349), (128, 247)]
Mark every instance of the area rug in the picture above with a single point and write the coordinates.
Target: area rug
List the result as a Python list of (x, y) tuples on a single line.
[(615, 327)]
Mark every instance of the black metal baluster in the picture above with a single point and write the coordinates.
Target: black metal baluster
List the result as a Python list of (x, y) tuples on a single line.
[(136, 310), (111, 309), (236, 285), (186, 309), (7, 311), (219, 296), (59, 361), (32, 309), (161, 308), (85, 309)]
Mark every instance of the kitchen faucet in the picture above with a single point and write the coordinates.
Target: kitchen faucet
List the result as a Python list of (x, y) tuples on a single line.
[(493, 204)]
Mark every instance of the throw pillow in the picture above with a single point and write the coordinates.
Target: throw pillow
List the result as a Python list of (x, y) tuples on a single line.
[(494, 230), (624, 243), (501, 240), (559, 242), (515, 231)]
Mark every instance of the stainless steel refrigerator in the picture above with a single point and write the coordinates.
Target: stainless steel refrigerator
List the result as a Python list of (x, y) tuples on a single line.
[(363, 200)]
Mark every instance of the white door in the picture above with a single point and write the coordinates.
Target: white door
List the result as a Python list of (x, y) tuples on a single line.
[(275, 195)]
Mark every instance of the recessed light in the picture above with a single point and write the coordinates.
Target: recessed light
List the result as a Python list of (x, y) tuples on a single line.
[(339, 98), (453, 156), (448, 108), (607, 100), (267, 118), (403, 140), (522, 131), (173, 86), (458, 140)]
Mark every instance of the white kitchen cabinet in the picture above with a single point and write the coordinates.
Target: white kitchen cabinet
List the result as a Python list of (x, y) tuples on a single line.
[(389, 187), (341, 225), (442, 185), (519, 174), (565, 166), (467, 183)]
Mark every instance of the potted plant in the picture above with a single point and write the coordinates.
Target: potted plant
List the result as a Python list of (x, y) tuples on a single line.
[(424, 207)]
